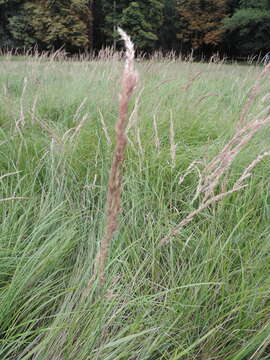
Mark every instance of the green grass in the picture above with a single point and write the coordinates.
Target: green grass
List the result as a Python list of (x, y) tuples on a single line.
[(204, 296)]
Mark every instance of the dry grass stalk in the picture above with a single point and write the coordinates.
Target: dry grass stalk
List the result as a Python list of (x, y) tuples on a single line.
[(139, 142), (253, 93), (218, 168), (209, 196), (189, 170), (14, 198), (193, 166), (5, 90), (133, 118), (73, 131), (204, 97), (163, 82), (51, 132), (195, 212), (78, 128), (190, 82), (247, 172), (9, 174), (129, 82), (104, 128), (78, 111), (33, 109), (157, 141), (172, 142), (205, 203), (222, 162), (21, 121), (265, 98)]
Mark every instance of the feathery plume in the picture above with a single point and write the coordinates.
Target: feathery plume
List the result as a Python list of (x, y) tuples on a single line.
[(129, 81)]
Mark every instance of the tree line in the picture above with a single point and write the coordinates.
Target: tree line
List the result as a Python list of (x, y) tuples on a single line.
[(233, 27)]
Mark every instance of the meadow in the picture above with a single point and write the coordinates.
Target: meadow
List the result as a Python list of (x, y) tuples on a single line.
[(204, 292)]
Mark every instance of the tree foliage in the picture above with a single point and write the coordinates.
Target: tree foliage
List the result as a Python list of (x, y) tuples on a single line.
[(248, 31), (239, 26), (255, 4), (52, 24), (167, 32), (7, 10), (200, 22), (141, 19), (112, 13)]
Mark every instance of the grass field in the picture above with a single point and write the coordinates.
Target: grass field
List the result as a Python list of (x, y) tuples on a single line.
[(204, 294)]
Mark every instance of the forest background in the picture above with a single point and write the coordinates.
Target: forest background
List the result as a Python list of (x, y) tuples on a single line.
[(233, 28)]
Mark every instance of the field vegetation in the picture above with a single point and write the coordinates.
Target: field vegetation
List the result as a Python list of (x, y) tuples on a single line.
[(199, 289)]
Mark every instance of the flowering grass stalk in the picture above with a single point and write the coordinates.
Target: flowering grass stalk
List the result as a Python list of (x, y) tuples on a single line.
[(129, 82)]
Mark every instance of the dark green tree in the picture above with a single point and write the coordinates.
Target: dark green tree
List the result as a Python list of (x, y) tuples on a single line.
[(142, 20), (98, 24), (167, 32), (254, 4), (248, 31), (8, 8), (232, 6), (110, 13)]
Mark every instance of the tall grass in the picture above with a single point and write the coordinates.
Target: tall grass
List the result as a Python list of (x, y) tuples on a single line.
[(205, 295)]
